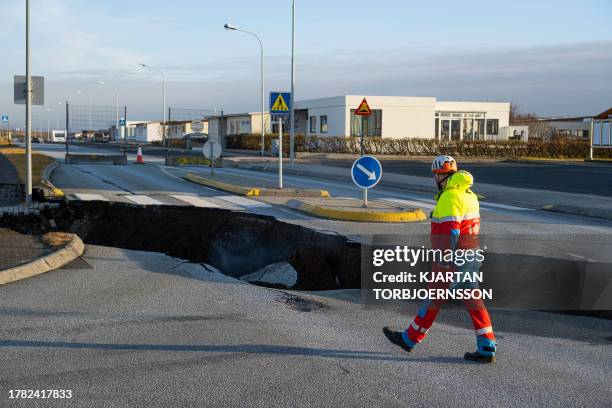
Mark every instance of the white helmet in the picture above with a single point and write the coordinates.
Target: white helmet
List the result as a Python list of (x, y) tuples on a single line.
[(443, 165)]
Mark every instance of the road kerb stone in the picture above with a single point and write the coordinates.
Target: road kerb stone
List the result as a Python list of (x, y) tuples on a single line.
[(358, 214)]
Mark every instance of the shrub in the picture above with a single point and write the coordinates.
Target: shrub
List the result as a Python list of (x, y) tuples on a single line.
[(560, 148)]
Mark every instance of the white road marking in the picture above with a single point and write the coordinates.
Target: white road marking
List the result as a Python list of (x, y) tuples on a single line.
[(505, 207), (410, 203), (195, 201), (244, 202), (89, 197), (143, 200)]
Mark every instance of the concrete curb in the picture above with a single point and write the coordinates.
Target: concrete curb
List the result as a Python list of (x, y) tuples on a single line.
[(46, 177), (253, 191), (572, 210), (59, 258), (359, 215)]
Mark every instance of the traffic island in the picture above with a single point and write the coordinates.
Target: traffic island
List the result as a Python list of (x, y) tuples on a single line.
[(349, 209), (238, 185)]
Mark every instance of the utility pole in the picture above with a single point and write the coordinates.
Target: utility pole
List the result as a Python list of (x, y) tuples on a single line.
[(292, 119), (28, 110)]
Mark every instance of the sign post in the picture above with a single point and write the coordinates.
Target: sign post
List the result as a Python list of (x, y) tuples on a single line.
[(212, 151), (5, 119), (363, 110), (279, 106), (366, 173)]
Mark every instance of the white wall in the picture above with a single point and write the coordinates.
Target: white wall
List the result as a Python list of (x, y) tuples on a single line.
[(148, 132), (402, 116), (334, 108)]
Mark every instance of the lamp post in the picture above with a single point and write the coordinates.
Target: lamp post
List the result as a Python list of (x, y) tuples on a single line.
[(116, 109), (292, 118), (163, 102), (28, 136), (231, 27), (48, 124)]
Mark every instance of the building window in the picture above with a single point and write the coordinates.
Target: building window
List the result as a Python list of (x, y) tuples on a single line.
[(366, 125), (492, 126), (323, 123), (313, 124)]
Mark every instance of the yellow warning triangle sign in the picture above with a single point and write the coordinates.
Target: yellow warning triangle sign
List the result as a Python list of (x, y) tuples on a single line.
[(280, 104), (363, 109)]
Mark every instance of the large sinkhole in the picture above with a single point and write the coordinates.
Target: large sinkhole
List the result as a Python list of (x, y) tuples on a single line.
[(237, 243)]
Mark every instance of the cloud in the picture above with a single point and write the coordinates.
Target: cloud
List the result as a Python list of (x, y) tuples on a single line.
[(63, 40)]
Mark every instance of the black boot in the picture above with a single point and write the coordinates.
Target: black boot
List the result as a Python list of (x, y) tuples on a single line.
[(396, 338), (479, 358)]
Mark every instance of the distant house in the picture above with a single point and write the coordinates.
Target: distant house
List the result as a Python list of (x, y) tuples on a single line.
[(239, 124), (576, 126), (182, 128), (147, 132)]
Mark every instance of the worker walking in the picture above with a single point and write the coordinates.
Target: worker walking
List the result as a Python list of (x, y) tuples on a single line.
[(455, 224)]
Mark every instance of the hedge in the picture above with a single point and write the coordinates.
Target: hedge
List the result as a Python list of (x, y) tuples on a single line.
[(559, 148)]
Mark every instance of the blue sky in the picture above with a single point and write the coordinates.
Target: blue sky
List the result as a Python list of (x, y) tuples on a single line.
[(550, 57)]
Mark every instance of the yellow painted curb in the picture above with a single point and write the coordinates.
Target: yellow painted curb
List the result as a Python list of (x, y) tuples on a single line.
[(252, 191), (59, 258), (46, 179), (362, 215)]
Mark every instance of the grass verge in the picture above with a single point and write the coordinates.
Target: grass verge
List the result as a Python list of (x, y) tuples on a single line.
[(17, 158)]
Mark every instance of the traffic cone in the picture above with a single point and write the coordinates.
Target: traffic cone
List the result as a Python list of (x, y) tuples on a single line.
[(139, 159)]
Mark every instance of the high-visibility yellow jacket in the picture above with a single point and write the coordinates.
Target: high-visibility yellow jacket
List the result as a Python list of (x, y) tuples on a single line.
[(457, 211)]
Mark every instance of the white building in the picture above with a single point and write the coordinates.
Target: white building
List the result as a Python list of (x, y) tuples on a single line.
[(403, 117), (182, 128), (239, 124), (145, 132)]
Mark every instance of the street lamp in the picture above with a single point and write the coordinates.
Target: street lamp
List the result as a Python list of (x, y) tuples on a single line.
[(48, 124), (164, 99), (292, 119), (231, 27), (116, 110)]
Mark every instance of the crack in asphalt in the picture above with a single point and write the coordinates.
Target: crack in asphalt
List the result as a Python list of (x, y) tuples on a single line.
[(105, 181)]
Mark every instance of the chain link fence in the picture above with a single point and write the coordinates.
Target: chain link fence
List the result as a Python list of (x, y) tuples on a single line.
[(94, 123)]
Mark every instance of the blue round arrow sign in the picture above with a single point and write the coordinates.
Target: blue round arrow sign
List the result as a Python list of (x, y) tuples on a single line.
[(366, 171)]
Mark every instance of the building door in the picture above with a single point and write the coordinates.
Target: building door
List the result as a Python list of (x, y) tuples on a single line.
[(445, 130), (455, 129)]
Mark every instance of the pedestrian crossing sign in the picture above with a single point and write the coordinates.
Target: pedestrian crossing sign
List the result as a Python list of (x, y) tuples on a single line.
[(363, 109), (280, 103), (4, 118)]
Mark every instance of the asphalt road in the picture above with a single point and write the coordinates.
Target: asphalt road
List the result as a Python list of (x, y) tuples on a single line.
[(125, 328), (117, 183), (569, 177), (575, 177), (131, 329)]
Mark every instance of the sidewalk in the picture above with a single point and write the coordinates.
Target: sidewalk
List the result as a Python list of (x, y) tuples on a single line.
[(570, 203)]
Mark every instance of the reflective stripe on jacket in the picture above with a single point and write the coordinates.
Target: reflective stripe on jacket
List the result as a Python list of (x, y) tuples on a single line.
[(457, 211)]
